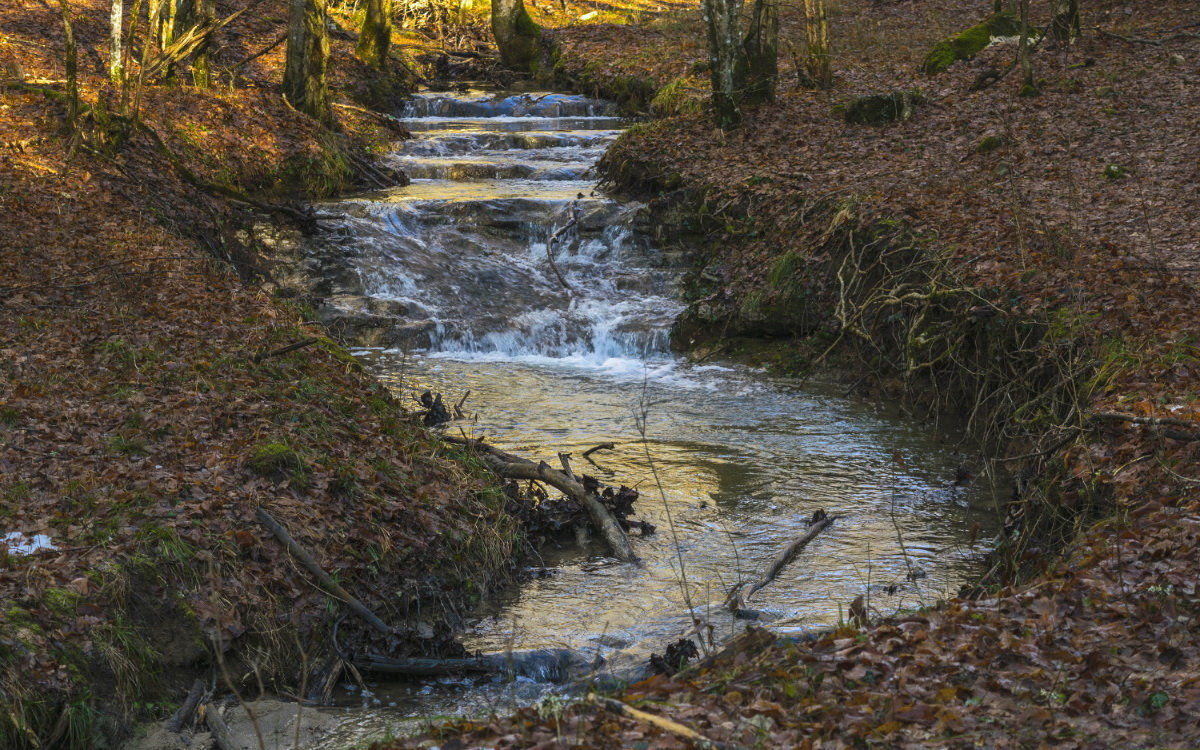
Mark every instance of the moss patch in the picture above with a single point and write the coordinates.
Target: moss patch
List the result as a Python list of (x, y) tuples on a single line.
[(966, 44)]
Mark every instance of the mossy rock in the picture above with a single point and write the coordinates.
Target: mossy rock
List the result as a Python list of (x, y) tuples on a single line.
[(966, 44), (879, 109)]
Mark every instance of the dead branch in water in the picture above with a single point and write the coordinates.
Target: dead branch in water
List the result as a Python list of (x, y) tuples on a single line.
[(819, 524), (514, 467), (556, 237)]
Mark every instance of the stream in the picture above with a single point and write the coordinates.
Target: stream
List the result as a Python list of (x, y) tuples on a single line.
[(730, 463)]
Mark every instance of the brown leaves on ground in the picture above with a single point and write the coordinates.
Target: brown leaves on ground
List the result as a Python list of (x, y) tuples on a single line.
[(138, 432)]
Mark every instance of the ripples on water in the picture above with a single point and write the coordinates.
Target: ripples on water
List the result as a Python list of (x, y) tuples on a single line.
[(742, 460)]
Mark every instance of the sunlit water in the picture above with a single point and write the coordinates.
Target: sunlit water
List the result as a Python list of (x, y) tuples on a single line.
[(730, 463)]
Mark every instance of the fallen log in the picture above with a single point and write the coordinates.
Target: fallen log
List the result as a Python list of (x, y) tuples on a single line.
[(425, 667), (819, 523), (542, 665), (514, 467), (183, 716), (221, 734), (330, 586)]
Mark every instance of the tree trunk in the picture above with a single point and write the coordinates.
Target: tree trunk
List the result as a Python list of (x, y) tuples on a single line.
[(307, 59), (72, 66), (1023, 53), (762, 53), (516, 34), (206, 12), (192, 13), (116, 51), (376, 35), (726, 58), (816, 28), (1064, 20)]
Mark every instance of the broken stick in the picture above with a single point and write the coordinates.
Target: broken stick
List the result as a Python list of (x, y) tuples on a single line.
[(601, 447), (514, 467), (666, 725), (820, 523), (329, 585)]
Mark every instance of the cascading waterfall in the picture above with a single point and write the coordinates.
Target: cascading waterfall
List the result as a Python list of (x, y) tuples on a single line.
[(465, 244)]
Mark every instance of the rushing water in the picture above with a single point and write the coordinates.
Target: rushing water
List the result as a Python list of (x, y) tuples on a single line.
[(730, 463)]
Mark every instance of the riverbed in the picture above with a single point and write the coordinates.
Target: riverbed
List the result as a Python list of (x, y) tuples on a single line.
[(547, 304)]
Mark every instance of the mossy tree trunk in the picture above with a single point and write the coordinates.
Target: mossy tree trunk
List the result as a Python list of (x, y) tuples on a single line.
[(727, 60), (516, 34), (304, 82), (192, 13), (762, 53), (376, 35), (818, 61), (1064, 20)]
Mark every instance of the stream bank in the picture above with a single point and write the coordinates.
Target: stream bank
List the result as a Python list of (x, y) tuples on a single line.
[(563, 346), (1009, 271)]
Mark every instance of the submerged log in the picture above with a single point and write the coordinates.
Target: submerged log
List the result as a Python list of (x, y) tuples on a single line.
[(543, 665), (514, 467), (820, 522)]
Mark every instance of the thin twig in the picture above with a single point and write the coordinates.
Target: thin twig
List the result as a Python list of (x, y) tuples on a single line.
[(284, 349)]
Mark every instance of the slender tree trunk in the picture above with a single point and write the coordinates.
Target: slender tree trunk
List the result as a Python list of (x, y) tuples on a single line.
[(135, 14), (726, 59), (307, 59), (1064, 20), (116, 55), (816, 28), (516, 34), (762, 53), (72, 66), (1023, 54), (376, 34)]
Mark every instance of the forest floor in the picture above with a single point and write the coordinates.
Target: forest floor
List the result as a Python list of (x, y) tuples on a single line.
[(1075, 208), (141, 427)]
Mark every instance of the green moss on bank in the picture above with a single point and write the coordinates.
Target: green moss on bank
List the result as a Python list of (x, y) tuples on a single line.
[(966, 44)]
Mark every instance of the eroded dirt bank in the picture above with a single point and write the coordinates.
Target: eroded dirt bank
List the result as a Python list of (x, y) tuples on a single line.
[(1025, 262)]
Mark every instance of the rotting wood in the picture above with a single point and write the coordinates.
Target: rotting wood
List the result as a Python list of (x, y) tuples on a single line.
[(514, 467), (425, 667), (673, 727), (565, 460), (820, 523), (183, 715), (326, 583), (219, 730)]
